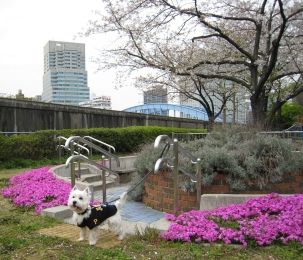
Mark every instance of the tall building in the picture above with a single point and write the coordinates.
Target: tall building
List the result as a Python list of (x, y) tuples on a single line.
[(65, 77)]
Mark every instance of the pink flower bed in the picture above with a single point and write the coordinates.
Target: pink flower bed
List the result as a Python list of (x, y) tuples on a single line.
[(265, 219), (37, 188)]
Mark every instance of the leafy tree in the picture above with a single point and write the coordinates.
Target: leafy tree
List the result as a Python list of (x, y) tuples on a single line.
[(256, 44), (290, 113)]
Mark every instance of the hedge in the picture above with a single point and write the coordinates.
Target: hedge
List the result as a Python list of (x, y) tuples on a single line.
[(42, 144)]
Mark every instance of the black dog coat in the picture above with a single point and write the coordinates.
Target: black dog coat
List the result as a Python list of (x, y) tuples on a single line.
[(98, 215)]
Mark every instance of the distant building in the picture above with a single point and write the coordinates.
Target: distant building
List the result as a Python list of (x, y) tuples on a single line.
[(65, 77), (155, 95), (236, 109), (20, 95), (102, 102), (37, 98)]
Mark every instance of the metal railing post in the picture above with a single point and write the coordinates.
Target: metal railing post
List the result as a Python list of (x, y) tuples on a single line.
[(59, 148), (72, 173), (199, 182), (103, 186), (72, 169), (79, 170), (103, 181), (175, 175)]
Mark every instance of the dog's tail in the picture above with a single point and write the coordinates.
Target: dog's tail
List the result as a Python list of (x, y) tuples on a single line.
[(119, 204)]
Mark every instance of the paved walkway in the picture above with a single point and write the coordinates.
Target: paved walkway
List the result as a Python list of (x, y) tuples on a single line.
[(135, 215), (132, 211)]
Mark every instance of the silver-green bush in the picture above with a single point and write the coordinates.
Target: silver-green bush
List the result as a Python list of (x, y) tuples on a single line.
[(247, 158)]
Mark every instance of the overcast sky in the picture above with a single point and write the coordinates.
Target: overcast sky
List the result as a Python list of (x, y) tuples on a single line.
[(27, 25)]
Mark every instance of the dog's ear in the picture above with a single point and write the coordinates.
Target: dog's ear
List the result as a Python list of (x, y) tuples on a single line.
[(74, 188), (87, 190)]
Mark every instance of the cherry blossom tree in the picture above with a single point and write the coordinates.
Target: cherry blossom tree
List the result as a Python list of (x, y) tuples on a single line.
[(255, 44)]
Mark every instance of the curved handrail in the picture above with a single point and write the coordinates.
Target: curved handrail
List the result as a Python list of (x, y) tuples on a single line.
[(63, 147), (168, 140), (92, 145), (100, 142), (77, 145), (176, 169), (160, 138), (81, 157), (160, 162)]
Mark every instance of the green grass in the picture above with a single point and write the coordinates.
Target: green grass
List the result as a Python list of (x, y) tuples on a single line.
[(19, 239)]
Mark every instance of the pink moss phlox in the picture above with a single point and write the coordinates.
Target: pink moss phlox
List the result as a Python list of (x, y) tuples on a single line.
[(264, 219), (37, 188)]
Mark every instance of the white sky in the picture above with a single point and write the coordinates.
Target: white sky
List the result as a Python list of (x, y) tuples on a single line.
[(27, 25)]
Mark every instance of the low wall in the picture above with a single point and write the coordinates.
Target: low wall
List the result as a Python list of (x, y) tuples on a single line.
[(158, 190), (30, 116)]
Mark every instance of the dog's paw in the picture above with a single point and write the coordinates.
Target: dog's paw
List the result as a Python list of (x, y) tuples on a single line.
[(92, 243), (80, 239), (120, 237)]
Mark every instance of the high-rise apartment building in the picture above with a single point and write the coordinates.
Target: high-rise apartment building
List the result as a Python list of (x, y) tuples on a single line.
[(156, 94), (65, 77)]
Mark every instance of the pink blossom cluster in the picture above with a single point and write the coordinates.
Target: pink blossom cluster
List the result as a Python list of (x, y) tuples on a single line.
[(264, 220), (37, 188)]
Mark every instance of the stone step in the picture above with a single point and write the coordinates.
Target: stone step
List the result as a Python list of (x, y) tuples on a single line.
[(58, 212), (82, 171), (91, 177), (125, 174), (98, 185)]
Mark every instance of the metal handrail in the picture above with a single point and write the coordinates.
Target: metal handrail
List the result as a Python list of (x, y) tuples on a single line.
[(68, 149), (100, 142), (166, 160), (75, 144), (80, 157), (169, 141), (159, 163), (104, 169), (92, 145)]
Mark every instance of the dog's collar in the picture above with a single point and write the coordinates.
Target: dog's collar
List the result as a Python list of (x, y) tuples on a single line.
[(82, 213)]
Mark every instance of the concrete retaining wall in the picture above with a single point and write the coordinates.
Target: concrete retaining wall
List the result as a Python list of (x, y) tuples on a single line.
[(29, 116)]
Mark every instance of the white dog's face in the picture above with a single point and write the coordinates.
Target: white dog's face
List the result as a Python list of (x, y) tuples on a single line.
[(79, 200)]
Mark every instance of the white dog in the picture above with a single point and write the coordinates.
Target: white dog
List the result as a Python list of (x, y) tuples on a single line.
[(88, 218)]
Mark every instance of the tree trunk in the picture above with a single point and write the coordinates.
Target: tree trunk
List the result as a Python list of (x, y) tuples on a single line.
[(211, 123), (258, 112)]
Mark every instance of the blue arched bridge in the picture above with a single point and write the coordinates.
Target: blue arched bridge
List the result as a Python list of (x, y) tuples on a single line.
[(175, 110)]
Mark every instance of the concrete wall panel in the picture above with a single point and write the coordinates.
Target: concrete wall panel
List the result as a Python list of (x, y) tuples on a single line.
[(29, 116)]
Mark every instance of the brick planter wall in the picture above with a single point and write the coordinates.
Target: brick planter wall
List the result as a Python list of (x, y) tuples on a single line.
[(158, 190)]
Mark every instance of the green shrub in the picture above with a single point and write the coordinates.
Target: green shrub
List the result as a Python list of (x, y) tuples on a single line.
[(41, 145), (290, 112)]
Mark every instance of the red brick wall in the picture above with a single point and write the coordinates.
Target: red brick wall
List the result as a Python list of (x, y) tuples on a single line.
[(158, 190)]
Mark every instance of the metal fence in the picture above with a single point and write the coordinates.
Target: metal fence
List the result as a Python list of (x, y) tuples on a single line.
[(15, 133), (294, 135), (186, 137)]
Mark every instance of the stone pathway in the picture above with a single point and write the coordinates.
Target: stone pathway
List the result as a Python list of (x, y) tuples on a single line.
[(136, 216), (132, 211)]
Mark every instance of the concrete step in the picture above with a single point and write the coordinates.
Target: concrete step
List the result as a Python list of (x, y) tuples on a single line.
[(98, 185), (82, 171), (91, 177), (125, 174), (59, 212)]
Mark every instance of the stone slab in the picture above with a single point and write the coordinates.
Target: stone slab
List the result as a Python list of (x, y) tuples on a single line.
[(212, 201), (59, 212)]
